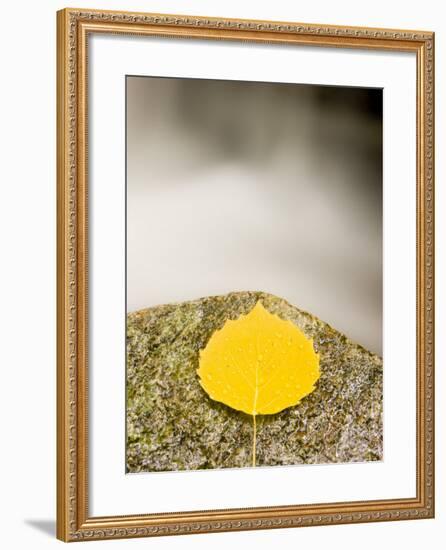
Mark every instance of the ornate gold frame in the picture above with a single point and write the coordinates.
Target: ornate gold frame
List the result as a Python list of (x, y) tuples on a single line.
[(73, 520)]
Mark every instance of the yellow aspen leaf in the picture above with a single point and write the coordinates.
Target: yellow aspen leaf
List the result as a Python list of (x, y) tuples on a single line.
[(258, 364)]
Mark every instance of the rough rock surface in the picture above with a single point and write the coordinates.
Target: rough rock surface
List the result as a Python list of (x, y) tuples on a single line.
[(172, 424)]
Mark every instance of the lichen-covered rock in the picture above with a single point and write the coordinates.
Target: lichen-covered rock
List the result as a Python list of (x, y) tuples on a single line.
[(172, 424)]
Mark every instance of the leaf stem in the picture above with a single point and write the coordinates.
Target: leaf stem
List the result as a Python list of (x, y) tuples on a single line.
[(254, 437)]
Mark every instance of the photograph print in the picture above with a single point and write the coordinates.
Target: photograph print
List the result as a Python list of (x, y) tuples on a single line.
[(254, 280)]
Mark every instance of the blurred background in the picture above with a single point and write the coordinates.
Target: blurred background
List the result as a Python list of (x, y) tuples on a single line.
[(257, 186)]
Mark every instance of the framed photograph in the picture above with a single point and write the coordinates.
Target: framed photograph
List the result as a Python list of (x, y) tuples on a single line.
[(245, 274)]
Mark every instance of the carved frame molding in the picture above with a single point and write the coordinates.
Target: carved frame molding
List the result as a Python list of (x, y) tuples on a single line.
[(73, 521)]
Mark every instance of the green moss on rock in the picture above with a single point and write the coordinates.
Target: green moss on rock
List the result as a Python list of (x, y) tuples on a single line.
[(172, 424)]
